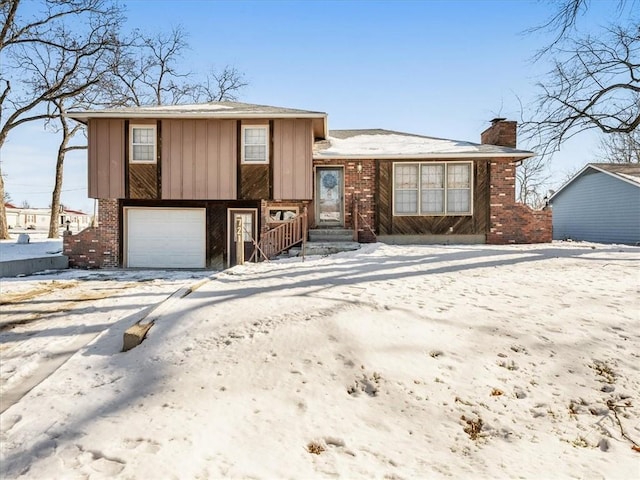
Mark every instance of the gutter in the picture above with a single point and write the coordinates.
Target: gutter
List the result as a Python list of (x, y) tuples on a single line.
[(519, 155)]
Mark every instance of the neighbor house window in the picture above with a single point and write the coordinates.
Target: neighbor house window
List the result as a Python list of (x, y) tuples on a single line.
[(255, 144), (432, 188), (143, 144)]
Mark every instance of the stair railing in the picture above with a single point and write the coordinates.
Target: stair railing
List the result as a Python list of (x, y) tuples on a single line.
[(357, 217), (281, 238)]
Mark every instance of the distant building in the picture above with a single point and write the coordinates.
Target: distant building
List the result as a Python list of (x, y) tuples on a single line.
[(601, 203), (39, 218)]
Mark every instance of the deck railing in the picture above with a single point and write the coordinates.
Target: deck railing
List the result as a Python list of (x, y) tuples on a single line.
[(283, 237)]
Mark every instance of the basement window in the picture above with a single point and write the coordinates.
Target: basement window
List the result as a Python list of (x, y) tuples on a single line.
[(434, 189)]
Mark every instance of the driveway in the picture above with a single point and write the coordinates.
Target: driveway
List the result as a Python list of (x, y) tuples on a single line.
[(46, 319)]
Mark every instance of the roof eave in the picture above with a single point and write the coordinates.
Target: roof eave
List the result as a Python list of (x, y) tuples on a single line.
[(85, 116), (582, 170), (469, 155)]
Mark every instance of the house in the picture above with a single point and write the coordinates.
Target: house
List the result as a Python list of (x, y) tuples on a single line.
[(172, 183), (29, 218), (13, 217), (601, 203)]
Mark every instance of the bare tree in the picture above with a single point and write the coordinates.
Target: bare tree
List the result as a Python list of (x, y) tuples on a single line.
[(621, 147), (147, 71), (595, 79), (220, 85), (67, 131), (532, 178), (49, 56)]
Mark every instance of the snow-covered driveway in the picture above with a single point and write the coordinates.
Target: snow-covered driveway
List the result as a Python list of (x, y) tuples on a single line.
[(47, 318)]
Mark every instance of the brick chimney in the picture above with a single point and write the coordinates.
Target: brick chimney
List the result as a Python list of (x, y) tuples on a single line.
[(502, 132)]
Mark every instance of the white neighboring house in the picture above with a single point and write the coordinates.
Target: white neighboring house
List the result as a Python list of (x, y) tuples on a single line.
[(39, 218)]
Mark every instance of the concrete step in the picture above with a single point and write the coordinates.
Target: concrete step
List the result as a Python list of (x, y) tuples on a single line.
[(324, 248), (330, 235)]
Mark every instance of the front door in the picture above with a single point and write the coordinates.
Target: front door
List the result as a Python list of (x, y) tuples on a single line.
[(329, 197), (249, 229)]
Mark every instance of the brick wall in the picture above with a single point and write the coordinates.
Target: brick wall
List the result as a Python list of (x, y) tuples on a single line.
[(510, 221), (359, 188), (501, 132), (97, 246)]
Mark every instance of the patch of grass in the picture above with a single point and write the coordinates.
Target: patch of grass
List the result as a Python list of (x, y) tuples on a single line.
[(510, 365), (315, 448), (473, 428), (580, 442), (604, 371), (47, 287)]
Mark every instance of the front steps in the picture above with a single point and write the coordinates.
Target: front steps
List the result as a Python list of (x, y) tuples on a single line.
[(330, 235), (326, 241)]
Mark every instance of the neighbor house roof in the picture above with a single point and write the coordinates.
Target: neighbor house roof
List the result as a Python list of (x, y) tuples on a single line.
[(379, 143), (627, 172), (206, 110)]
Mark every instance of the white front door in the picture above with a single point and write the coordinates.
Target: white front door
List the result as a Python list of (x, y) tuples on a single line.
[(329, 196)]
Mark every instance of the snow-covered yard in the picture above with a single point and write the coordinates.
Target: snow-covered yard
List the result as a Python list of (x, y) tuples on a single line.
[(389, 362)]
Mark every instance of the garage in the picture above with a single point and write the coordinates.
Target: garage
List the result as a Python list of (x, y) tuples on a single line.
[(165, 237)]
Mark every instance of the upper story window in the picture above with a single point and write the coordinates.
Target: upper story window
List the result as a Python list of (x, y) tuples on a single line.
[(255, 144), (432, 188), (143, 144)]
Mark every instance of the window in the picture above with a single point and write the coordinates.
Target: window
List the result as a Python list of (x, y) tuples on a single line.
[(282, 214), (432, 188), (255, 144), (143, 144)]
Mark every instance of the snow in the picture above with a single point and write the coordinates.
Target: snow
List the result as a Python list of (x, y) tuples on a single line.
[(378, 145), (382, 361), (38, 246)]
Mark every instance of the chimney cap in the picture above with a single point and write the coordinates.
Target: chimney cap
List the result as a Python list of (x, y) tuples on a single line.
[(497, 119)]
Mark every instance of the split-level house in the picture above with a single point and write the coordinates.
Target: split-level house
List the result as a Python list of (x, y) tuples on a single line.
[(172, 183)]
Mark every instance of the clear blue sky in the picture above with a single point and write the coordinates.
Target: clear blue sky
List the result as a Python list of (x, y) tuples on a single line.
[(439, 68)]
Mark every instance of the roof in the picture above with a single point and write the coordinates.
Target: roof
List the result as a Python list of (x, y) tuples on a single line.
[(43, 210), (75, 212), (627, 172), (230, 110), (379, 143)]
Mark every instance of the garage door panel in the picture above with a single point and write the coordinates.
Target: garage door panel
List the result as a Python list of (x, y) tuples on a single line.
[(166, 237)]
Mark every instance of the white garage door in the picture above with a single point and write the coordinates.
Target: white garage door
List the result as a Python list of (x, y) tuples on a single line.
[(165, 237)]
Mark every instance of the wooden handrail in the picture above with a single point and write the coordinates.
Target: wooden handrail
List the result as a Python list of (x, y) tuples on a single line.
[(356, 217), (283, 237)]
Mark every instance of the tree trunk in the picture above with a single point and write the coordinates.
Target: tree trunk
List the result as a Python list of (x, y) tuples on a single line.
[(4, 230), (54, 222)]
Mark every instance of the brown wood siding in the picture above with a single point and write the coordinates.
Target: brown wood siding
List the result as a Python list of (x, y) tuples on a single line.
[(143, 180), (433, 225), (106, 158), (292, 159), (254, 182), (199, 159), (217, 235)]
